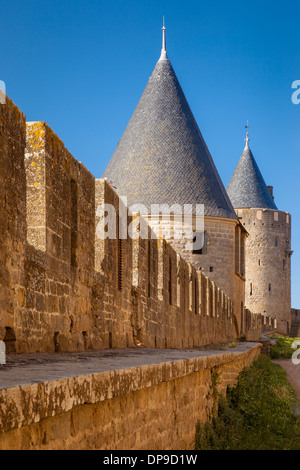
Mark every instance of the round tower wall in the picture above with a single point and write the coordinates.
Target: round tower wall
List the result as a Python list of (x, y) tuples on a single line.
[(268, 264)]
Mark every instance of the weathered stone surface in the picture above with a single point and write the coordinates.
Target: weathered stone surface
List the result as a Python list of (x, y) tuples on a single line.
[(152, 403), (268, 264)]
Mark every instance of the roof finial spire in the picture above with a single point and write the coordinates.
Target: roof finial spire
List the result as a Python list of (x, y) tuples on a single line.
[(163, 55), (247, 135)]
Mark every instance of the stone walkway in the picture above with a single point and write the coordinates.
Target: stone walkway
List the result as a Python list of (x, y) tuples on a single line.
[(22, 369)]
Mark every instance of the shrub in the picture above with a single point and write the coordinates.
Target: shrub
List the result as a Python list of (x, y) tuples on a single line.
[(283, 347)]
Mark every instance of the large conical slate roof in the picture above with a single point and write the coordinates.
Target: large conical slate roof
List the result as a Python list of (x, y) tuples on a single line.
[(247, 187), (162, 156)]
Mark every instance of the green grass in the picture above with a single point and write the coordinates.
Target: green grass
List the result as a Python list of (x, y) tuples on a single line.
[(282, 348), (257, 414)]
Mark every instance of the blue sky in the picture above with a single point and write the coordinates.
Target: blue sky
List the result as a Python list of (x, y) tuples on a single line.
[(82, 65)]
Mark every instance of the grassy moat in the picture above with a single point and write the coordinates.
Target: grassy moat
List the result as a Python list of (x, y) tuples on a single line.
[(257, 414)]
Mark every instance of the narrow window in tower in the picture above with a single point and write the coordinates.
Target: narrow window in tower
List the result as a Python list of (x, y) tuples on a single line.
[(160, 267), (259, 262), (276, 241), (170, 281), (135, 254), (178, 276), (204, 295), (149, 268), (120, 259), (242, 255), (242, 317), (270, 287), (200, 251), (184, 292), (251, 289), (191, 299), (74, 222)]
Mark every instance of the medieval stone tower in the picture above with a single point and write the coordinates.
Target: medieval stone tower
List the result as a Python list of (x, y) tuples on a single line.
[(268, 245), (162, 159)]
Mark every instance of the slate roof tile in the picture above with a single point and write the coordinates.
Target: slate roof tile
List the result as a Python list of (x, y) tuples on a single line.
[(162, 156)]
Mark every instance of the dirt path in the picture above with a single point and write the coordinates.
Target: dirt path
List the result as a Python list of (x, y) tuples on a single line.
[(293, 375)]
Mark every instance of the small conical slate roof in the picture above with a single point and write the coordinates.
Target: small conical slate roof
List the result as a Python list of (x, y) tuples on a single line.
[(162, 157), (247, 187)]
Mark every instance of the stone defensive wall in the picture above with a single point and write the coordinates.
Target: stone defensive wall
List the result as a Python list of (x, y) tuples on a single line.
[(129, 399), (62, 288)]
